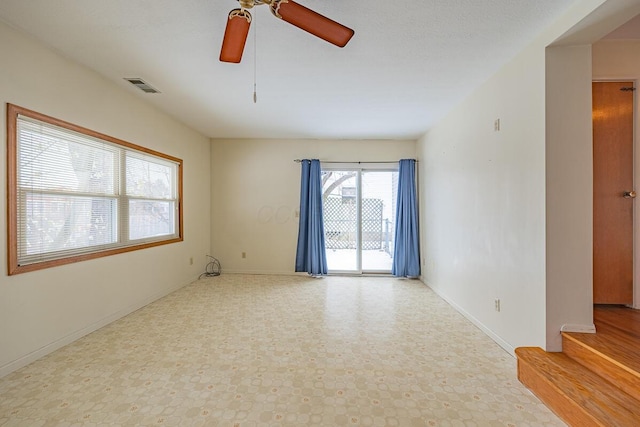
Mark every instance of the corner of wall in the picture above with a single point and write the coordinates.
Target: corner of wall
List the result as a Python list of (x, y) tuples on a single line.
[(569, 190)]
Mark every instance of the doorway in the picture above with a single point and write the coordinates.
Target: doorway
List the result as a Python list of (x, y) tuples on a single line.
[(613, 194), (359, 207)]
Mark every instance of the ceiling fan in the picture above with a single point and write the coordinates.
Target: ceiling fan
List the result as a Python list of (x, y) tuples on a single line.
[(235, 34)]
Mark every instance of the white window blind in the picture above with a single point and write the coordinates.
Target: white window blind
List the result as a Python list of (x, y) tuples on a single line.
[(78, 194)]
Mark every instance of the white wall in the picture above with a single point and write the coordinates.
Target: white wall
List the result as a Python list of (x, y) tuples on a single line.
[(620, 60), (256, 193), (484, 204), (43, 310), (569, 192)]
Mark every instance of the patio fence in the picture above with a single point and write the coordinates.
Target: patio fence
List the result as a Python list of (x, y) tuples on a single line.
[(340, 216)]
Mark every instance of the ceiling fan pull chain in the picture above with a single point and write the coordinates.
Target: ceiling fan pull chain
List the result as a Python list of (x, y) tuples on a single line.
[(255, 62)]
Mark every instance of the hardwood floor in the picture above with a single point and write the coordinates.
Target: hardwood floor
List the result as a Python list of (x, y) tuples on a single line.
[(595, 381), (625, 319)]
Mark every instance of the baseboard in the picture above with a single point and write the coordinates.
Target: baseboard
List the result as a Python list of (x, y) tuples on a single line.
[(265, 272), (303, 274), (68, 339), (502, 343), (574, 327)]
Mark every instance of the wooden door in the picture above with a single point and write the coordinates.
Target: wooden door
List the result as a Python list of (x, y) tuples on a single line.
[(612, 178)]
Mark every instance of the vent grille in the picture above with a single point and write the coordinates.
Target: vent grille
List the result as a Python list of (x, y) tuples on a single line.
[(142, 85)]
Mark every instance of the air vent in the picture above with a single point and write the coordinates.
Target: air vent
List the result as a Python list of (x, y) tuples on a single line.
[(142, 85)]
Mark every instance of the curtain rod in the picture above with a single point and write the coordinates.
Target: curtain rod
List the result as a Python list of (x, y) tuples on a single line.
[(331, 161)]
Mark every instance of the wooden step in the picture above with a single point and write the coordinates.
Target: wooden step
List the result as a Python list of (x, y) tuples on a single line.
[(610, 353), (622, 318), (577, 395)]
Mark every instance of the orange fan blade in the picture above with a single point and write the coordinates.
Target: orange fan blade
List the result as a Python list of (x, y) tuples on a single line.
[(235, 36), (312, 22)]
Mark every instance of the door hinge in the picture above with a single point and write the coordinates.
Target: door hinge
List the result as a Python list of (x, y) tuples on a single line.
[(627, 89)]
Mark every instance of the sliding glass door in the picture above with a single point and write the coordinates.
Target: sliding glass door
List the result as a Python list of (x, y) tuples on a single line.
[(377, 219), (359, 218)]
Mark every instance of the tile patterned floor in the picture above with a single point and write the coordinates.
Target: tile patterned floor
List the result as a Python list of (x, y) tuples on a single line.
[(248, 351)]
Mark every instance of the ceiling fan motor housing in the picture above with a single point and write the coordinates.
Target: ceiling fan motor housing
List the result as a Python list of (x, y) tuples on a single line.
[(246, 4)]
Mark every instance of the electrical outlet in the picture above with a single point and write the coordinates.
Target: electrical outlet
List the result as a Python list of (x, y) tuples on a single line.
[(497, 304), (496, 125), (244, 254)]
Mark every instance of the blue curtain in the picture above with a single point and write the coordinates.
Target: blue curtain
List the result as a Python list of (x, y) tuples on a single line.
[(406, 252), (311, 256)]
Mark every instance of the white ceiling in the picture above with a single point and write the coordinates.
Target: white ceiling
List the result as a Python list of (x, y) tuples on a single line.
[(407, 65), (628, 31)]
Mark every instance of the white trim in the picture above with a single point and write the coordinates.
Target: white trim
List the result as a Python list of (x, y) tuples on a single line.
[(68, 339), (575, 327), (502, 343), (303, 274), (265, 272)]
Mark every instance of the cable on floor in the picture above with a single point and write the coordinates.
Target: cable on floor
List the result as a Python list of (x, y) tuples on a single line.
[(212, 269)]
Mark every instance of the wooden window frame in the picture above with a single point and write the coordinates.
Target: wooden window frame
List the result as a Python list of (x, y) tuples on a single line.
[(13, 112)]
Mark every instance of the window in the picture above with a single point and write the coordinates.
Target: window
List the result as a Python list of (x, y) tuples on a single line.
[(75, 194)]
